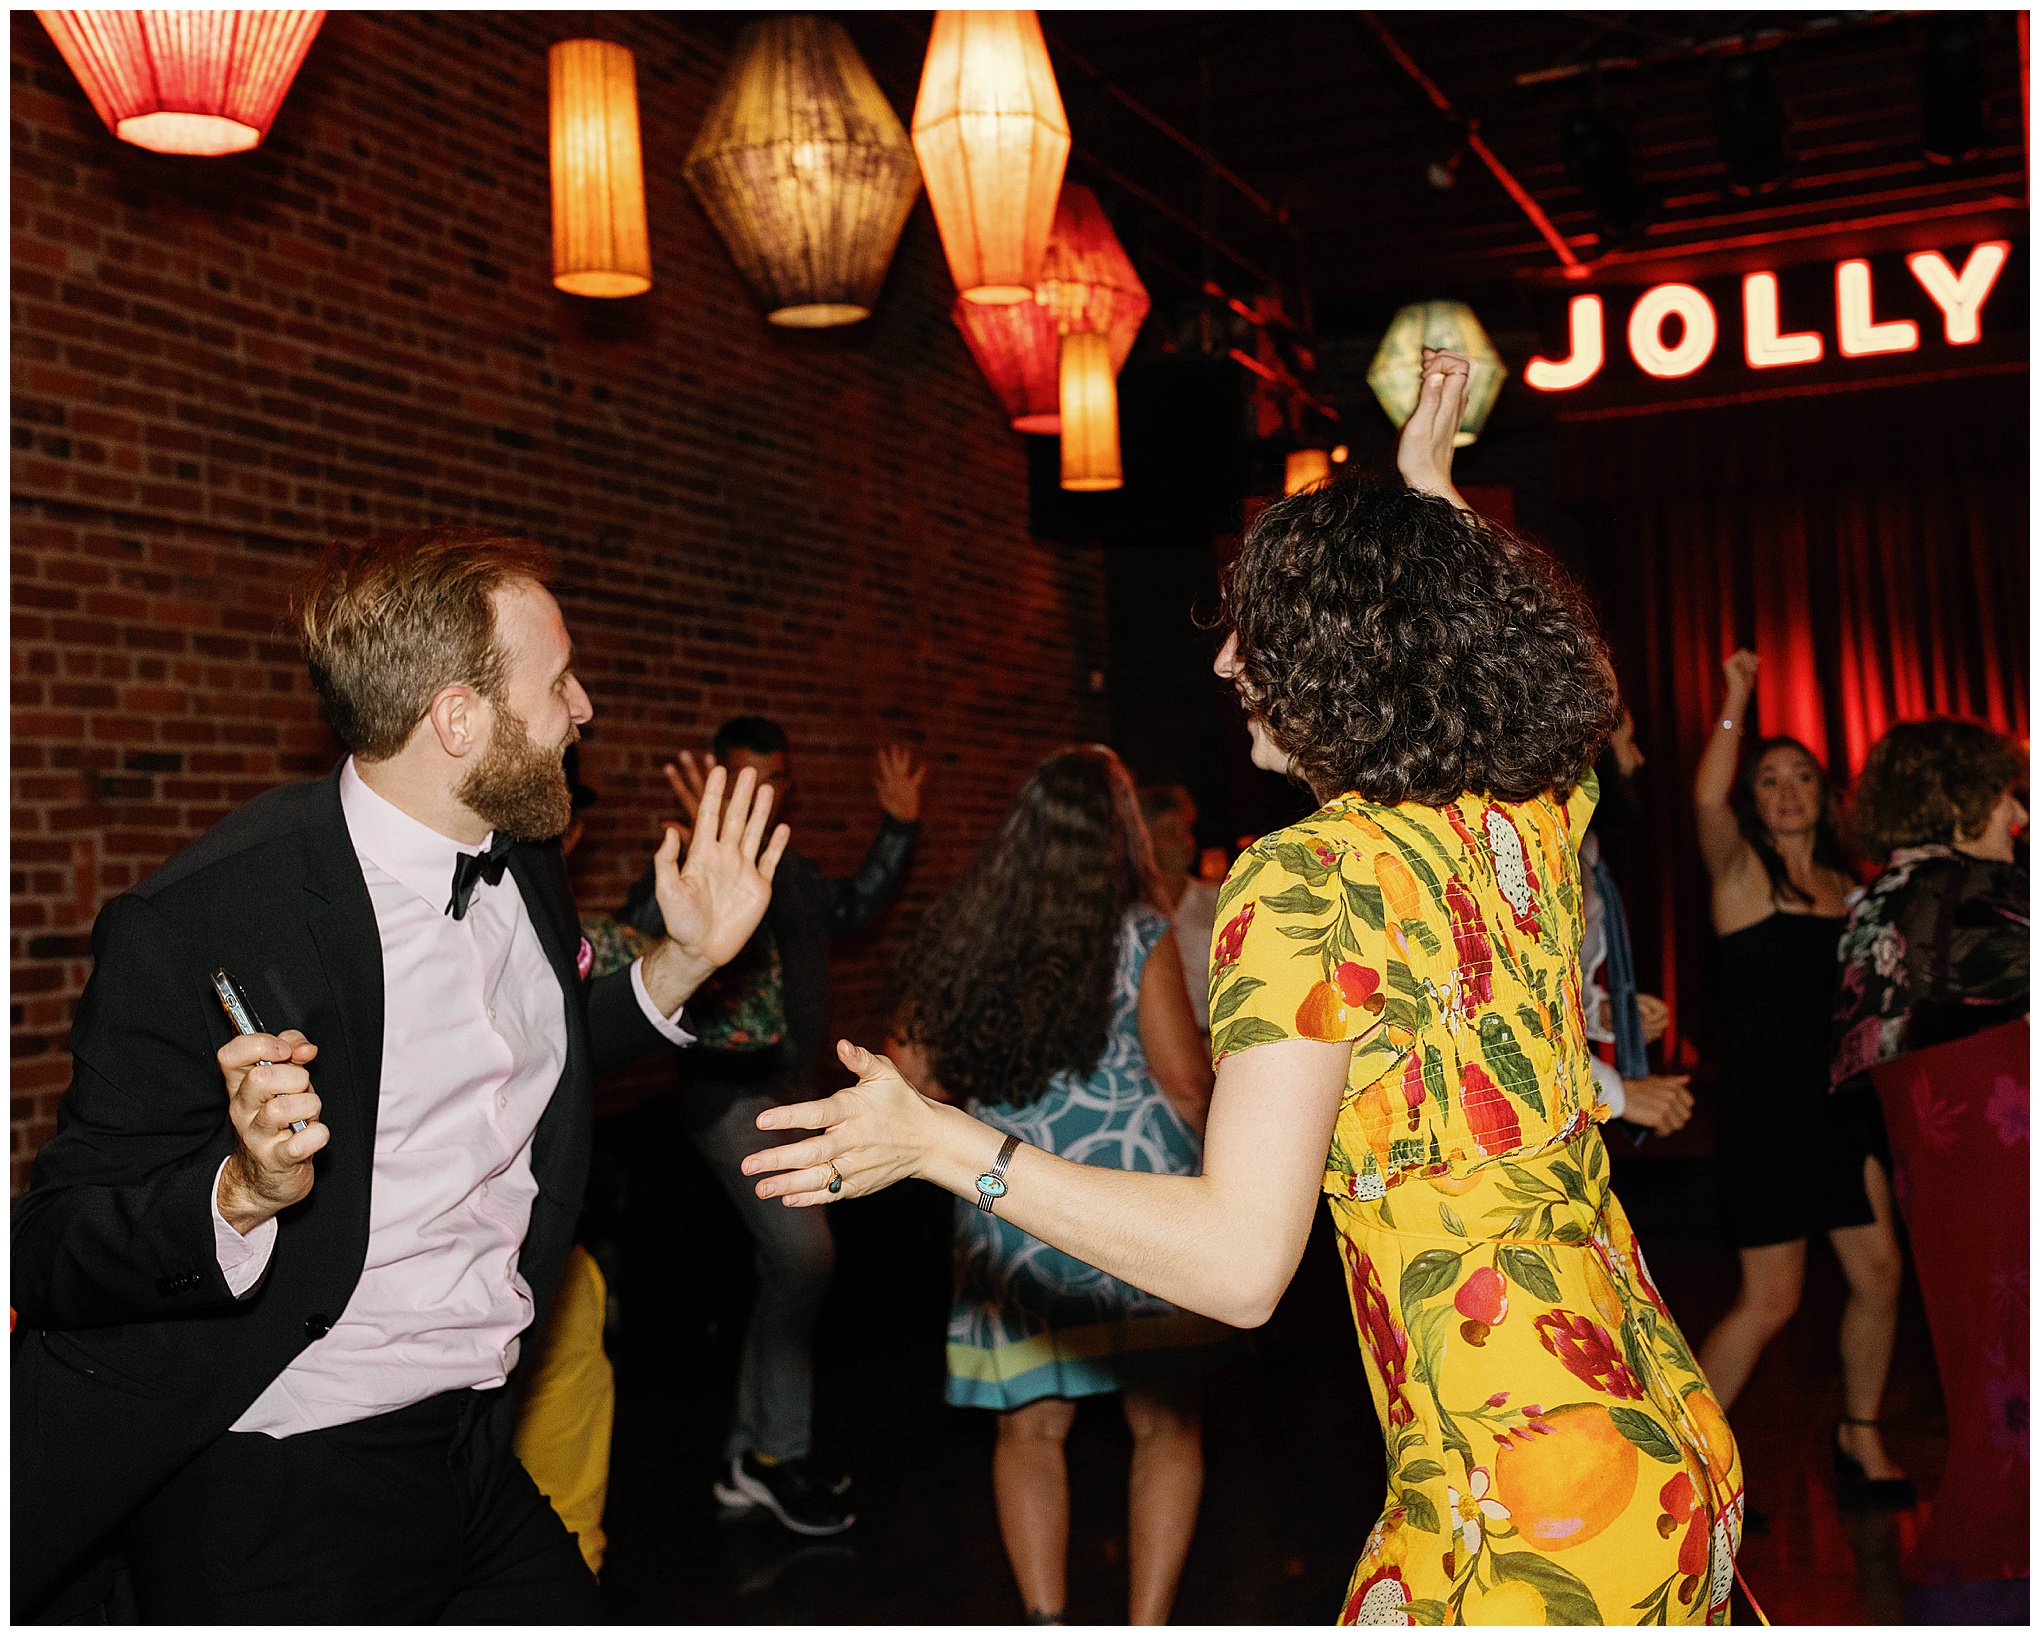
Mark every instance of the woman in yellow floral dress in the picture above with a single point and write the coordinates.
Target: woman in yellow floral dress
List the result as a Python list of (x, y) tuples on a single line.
[(1396, 1018)]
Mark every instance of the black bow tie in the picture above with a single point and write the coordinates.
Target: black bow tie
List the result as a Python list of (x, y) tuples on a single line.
[(471, 867)]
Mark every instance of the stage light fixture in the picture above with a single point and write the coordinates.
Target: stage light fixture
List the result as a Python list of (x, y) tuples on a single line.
[(1951, 91), (1751, 120), (1597, 163)]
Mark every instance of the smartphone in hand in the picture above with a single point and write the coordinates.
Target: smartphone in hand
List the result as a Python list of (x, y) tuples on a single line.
[(240, 1012)]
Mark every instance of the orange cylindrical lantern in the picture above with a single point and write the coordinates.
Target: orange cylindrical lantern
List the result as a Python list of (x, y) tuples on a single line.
[(1019, 351), (1087, 279), (1090, 414), (992, 139), (196, 82), (601, 244), (1305, 469)]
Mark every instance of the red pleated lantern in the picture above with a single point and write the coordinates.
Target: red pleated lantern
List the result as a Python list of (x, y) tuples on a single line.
[(195, 82), (1087, 283), (1017, 348), (1087, 279)]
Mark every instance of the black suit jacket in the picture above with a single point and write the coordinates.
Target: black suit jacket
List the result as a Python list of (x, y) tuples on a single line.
[(130, 1354)]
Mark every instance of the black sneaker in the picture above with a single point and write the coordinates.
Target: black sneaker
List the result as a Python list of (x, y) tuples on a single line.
[(790, 1490)]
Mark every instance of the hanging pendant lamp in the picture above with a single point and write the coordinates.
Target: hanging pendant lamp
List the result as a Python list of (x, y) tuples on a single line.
[(992, 139), (601, 244), (806, 172), (1018, 350), (192, 82), (1090, 414), (1305, 469), (1087, 279), (1087, 282), (1397, 372)]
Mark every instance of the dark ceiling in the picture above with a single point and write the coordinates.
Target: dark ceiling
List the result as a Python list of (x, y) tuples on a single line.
[(1310, 112)]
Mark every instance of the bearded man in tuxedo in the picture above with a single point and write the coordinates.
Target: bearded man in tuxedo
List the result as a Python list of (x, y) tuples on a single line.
[(272, 1288)]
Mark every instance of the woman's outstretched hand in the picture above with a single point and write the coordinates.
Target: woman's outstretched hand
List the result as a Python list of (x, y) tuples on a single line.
[(1424, 453), (876, 1132)]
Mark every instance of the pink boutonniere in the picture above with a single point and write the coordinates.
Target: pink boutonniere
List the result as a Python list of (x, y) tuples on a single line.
[(584, 959)]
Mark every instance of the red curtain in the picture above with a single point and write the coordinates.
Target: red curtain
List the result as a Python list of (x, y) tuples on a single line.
[(1872, 549)]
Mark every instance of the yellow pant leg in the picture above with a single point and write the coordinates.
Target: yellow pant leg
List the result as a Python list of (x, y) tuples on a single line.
[(564, 1424)]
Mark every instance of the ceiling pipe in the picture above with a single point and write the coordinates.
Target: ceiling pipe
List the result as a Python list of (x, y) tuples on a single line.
[(1726, 45), (1574, 267)]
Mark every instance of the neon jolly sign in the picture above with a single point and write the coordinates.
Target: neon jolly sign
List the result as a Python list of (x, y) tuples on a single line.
[(1858, 331)]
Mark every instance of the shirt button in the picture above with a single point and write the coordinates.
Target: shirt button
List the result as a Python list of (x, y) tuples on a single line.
[(492, 1013), (502, 1101)]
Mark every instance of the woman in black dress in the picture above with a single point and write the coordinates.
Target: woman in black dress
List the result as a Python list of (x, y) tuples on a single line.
[(1792, 1159)]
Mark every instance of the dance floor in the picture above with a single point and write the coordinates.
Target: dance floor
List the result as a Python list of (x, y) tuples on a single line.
[(1294, 1474)]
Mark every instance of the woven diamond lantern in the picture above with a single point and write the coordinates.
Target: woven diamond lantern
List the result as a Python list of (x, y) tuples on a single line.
[(1397, 373), (806, 172), (194, 82), (992, 139)]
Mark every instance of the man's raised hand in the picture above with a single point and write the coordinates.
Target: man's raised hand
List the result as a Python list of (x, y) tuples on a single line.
[(897, 780), (686, 779), (268, 1087), (713, 901)]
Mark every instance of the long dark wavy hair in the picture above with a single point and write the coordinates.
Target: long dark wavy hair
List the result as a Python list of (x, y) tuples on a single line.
[(1398, 646), (1828, 851), (1009, 979)]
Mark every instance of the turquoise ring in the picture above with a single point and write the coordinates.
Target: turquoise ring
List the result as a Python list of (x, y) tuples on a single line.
[(835, 1178)]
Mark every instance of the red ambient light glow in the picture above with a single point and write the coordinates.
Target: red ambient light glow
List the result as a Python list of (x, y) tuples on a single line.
[(1859, 333)]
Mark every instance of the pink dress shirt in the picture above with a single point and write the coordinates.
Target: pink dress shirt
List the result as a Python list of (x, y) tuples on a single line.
[(474, 1039)]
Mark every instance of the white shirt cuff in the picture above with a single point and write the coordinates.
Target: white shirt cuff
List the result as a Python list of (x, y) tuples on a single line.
[(242, 1261), (1591, 1003), (669, 1026), (1608, 1081)]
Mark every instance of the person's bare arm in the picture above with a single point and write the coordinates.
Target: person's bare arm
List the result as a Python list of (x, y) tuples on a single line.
[(1423, 453), (1224, 1243), (1722, 846), (1176, 1051)]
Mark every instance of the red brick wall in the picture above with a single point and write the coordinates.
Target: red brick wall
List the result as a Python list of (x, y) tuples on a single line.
[(219, 364)]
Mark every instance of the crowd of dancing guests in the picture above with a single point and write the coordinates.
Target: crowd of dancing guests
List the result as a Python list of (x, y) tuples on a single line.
[(1397, 974), (1137, 1075), (1068, 1038)]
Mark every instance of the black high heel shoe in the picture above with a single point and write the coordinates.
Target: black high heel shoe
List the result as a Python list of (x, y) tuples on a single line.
[(1857, 1490)]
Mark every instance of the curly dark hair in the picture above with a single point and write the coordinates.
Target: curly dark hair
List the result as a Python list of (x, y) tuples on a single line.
[(1009, 979), (1398, 646), (1931, 781), (1828, 850)]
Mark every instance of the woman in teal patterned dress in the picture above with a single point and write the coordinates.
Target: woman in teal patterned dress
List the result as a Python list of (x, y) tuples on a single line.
[(1046, 991)]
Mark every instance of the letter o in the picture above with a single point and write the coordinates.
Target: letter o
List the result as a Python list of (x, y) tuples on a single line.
[(1647, 324)]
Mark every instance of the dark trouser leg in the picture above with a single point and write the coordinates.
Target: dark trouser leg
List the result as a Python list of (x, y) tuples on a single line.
[(397, 1519), (519, 1565), (796, 1255)]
